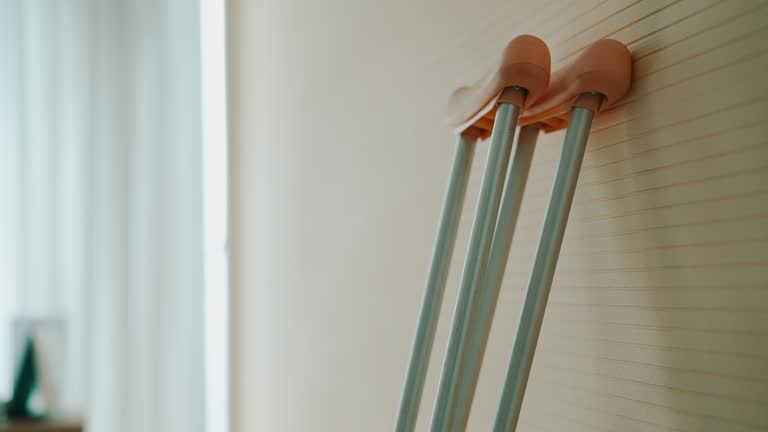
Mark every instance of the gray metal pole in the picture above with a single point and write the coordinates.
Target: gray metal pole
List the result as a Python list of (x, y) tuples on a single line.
[(540, 282), (481, 314), (479, 246), (438, 273)]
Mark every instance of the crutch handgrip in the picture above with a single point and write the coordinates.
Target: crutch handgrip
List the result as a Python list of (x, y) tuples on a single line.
[(605, 67), (525, 63)]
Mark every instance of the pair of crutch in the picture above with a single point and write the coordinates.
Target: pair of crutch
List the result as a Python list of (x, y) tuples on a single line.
[(517, 92)]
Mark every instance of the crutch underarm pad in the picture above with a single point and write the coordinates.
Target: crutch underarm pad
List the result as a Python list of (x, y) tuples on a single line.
[(605, 67), (524, 64)]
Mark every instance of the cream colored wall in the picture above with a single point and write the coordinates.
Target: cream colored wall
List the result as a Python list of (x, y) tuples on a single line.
[(658, 318)]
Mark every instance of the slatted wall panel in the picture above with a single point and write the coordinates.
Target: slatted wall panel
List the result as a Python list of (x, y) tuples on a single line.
[(658, 317)]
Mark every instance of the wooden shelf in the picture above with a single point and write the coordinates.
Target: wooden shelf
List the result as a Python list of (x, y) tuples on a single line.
[(42, 426)]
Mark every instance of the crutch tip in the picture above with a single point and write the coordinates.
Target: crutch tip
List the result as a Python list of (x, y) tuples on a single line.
[(524, 63), (605, 67)]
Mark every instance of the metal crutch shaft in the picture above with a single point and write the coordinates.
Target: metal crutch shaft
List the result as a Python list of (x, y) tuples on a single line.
[(540, 282), (481, 314), (436, 279), (479, 246)]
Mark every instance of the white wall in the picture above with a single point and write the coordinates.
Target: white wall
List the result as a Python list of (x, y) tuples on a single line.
[(339, 165), (339, 158)]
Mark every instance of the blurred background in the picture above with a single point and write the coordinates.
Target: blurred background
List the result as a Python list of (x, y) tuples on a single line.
[(218, 215), (113, 206)]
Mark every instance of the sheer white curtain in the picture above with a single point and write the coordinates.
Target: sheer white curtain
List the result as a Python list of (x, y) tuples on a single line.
[(101, 201)]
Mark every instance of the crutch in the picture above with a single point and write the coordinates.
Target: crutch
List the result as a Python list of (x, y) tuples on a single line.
[(596, 79), (483, 306), (489, 107)]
